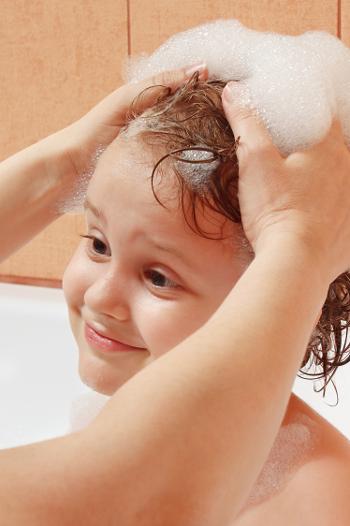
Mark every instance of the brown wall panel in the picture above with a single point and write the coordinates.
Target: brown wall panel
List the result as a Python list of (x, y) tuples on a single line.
[(345, 21), (58, 58), (48, 254)]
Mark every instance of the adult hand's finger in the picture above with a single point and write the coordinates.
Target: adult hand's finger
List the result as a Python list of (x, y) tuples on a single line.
[(171, 78), (112, 109), (253, 136)]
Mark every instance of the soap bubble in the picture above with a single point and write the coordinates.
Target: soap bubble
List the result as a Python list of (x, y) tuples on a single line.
[(297, 84)]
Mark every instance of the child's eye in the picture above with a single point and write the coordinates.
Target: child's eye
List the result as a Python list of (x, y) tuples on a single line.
[(98, 246), (159, 280)]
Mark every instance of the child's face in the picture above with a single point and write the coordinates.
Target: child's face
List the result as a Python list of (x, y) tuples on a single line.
[(126, 284)]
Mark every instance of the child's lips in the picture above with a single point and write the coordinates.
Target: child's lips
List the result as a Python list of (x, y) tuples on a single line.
[(105, 343)]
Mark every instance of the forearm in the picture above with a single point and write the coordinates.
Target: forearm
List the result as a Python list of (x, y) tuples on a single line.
[(30, 186), (185, 439)]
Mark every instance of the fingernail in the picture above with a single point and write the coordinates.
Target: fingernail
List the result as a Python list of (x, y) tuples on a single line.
[(197, 67)]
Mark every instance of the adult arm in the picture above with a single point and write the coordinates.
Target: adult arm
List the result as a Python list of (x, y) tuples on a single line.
[(30, 186), (183, 441), (34, 180)]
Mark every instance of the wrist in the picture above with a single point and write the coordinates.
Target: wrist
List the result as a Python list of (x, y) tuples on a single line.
[(34, 181), (55, 154), (56, 167), (297, 249)]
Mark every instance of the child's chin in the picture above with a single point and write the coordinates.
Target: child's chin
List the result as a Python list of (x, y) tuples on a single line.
[(98, 388), (99, 380)]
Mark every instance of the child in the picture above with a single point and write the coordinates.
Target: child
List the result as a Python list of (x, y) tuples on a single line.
[(164, 450), (164, 246)]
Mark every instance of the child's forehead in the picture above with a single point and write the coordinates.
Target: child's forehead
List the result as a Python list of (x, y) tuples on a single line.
[(124, 172), (130, 161), (132, 151), (136, 161)]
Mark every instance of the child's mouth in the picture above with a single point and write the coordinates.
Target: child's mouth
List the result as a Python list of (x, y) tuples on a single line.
[(106, 344)]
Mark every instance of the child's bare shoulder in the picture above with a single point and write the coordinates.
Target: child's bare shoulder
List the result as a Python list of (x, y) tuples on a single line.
[(323, 487), (324, 481), (306, 479)]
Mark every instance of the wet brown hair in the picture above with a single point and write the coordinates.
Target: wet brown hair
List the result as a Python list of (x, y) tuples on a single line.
[(193, 119)]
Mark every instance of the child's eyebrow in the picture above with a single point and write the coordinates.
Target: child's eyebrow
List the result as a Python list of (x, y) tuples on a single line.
[(163, 247), (171, 250), (96, 211)]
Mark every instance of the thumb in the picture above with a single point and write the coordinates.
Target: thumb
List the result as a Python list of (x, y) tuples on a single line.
[(244, 122)]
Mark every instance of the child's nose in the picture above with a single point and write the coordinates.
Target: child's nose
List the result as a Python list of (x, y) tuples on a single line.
[(108, 295)]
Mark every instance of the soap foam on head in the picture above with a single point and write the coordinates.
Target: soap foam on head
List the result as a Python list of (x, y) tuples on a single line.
[(297, 84), (196, 167), (73, 202)]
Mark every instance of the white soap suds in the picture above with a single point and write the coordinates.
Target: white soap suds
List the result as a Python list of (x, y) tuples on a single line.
[(73, 202), (85, 408), (295, 83), (292, 446), (196, 167)]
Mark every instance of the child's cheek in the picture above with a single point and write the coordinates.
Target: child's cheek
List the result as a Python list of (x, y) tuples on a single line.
[(160, 322), (75, 278)]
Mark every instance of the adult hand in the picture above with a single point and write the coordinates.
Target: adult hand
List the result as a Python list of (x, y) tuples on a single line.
[(96, 130), (306, 195)]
